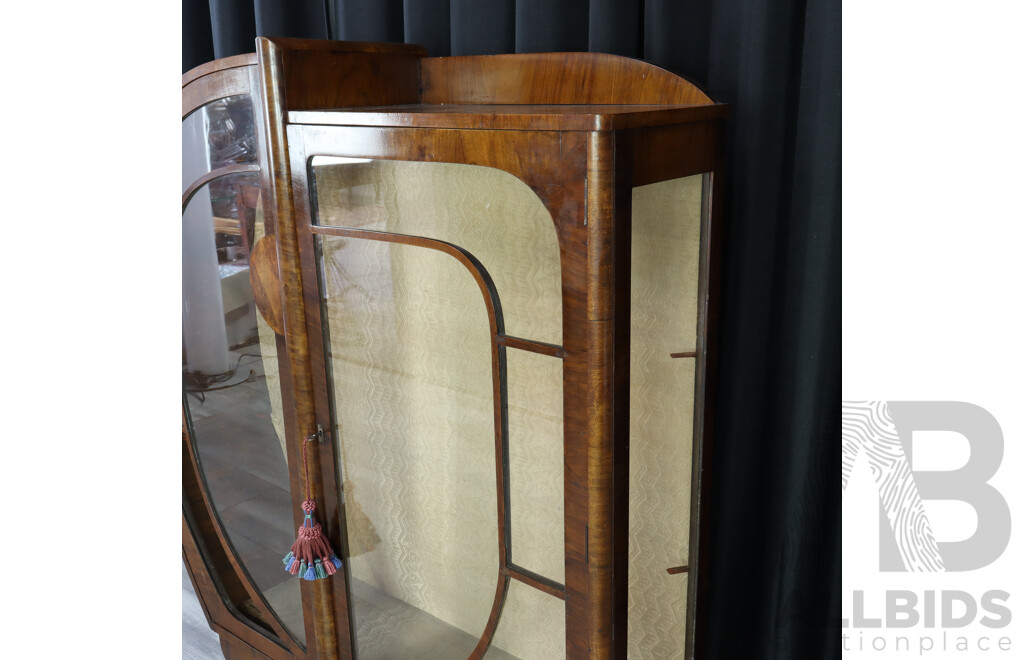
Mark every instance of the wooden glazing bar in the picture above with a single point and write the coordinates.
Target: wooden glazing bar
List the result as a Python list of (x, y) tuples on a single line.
[(536, 581), (540, 347), (497, 326), (216, 174)]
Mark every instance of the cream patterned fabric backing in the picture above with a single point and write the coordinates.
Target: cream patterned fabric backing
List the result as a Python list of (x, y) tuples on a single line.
[(490, 213), (410, 351), (663, 320)]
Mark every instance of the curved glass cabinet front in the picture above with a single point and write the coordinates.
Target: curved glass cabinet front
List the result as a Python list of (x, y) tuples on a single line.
[(231, 391), (441, 308)]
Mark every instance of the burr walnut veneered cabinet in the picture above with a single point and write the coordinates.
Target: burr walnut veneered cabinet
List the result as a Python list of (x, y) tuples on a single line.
[(480, 291)]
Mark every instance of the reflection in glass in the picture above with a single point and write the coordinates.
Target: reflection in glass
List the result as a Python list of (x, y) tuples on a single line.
[(230, 379), (663, 321), (215, 135), (489, 212), (536, 464), (409, 356)]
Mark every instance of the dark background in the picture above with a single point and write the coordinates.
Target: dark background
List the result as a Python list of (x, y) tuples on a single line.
[(775, 529)]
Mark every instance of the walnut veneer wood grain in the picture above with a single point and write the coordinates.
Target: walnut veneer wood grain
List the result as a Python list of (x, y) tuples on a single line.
[(581, 130), (556, 78)]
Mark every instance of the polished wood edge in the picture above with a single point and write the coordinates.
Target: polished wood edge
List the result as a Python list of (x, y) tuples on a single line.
[(605, 625), (661, 153), (291, 43), (319, 74), (217, 85), (198, 575), (237, 648), (222, 619), (575, 77), (198, 505), (492, 117), (205, 69), (704, 406), (265, 282), (620, 264), (530, 345), (534, 580), (492, 620), (324, 639), (228, 170)]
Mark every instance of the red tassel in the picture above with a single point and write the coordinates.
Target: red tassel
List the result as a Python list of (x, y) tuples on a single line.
[(311, 545)]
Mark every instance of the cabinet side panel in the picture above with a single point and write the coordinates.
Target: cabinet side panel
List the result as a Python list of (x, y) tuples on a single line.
[(666, 219)]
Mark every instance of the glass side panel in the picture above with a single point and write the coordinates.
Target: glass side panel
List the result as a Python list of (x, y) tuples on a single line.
[(536, 464), (408, 345), (489, 212), (532, 626), (217, 134), (663, 321), (232, 389)]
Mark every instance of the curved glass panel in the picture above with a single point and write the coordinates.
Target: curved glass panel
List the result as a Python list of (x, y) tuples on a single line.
[(665, 267), (232, 391), (217, 134), (488, 212), (408, 348)]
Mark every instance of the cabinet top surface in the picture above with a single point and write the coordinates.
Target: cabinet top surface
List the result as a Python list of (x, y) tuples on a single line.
[(511, 116)]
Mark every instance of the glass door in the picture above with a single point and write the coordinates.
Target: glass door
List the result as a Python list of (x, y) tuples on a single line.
[(231, 393), (440, 305)]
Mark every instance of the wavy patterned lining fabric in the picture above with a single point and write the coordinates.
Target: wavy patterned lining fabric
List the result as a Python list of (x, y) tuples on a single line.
[(663, 320), (490, 213), (411, 377), (409, 348)]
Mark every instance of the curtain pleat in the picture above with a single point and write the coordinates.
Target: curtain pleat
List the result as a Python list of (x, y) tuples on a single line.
[(483, 27), (544, 26), (234, 27), (305, 19), (370, 20), (196, 34), (428, 23), (676, 36), (616, 26), (775, 527)]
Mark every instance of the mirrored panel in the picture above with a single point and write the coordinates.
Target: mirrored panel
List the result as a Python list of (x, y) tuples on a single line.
[(489, 212), (215, 135), (663, 330), (408, 343), (536, 463), (232, 391)]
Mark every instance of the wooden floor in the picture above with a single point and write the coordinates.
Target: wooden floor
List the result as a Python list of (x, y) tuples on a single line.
[(247, 477)]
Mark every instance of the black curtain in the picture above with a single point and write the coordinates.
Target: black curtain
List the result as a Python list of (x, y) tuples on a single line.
[(775, 529)]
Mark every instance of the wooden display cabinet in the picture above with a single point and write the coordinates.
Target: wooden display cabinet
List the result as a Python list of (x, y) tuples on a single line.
[(486, 291)]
